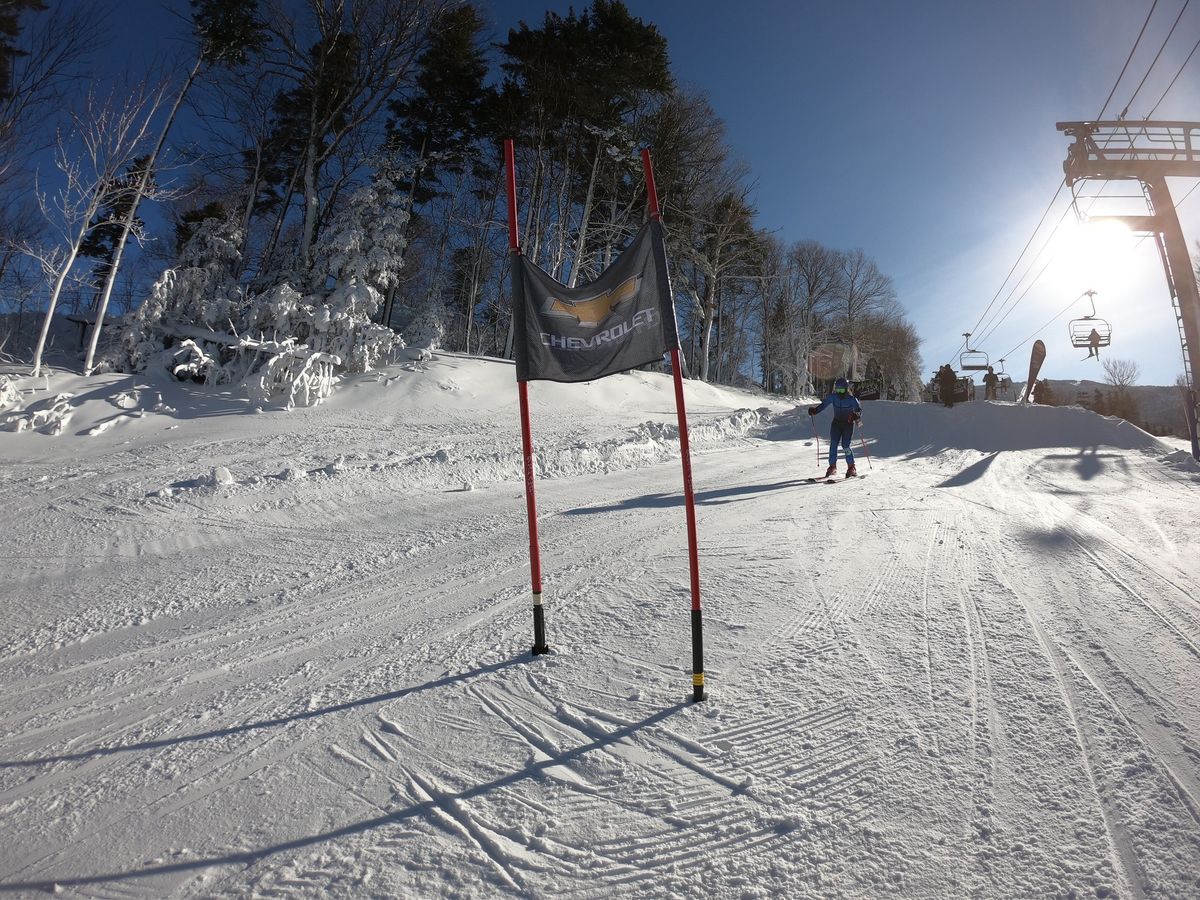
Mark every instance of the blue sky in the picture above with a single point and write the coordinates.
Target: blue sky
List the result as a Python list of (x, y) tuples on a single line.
[(922, 131)]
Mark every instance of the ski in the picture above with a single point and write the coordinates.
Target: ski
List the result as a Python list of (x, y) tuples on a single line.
[(833, 480)]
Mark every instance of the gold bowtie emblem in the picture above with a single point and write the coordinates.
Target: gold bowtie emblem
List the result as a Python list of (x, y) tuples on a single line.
[(591, 311)]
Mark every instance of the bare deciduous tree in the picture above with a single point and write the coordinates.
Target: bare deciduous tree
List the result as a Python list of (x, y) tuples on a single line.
[(108, 136), (1121, 373), (57, 43), (863, 290), (723, 240)]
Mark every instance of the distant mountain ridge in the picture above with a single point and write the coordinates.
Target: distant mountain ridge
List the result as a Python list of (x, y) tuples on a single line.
[(1160, 407)]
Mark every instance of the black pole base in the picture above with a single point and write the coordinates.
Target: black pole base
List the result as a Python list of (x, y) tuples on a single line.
[(697, 657), (539, 627)]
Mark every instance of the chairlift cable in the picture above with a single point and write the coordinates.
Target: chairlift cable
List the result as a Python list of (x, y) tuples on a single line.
[(1021, 255), (1128, 59), (1137, 90), (1154, 109), (1154, 62), (1058, 316), (1002, 313), (1141, 83), (1016, 302), (1061, 184)]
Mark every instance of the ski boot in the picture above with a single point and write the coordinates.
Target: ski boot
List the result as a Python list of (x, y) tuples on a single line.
[(851, 471), (831, 471)]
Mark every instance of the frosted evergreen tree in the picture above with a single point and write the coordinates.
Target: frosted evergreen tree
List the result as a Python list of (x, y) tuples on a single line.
[(365, 241)]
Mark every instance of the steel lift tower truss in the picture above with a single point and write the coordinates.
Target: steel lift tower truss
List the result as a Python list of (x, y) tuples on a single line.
[(1150, 152)]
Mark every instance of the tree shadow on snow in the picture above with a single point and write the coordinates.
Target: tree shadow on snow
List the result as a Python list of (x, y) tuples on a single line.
[(428, 808), (662, 501), (261, 724)]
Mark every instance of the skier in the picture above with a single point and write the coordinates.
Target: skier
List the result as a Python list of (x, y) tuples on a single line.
[(1094, 344), (946, 382), (846, 411), (990, 381)]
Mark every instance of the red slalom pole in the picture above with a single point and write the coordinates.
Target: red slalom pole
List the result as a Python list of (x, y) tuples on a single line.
[(535, 559), (698, 692)]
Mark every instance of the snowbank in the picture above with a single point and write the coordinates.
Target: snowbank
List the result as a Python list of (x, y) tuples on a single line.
[(622, 422)]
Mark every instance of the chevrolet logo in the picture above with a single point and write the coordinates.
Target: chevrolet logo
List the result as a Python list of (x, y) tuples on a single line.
[(591, 311)]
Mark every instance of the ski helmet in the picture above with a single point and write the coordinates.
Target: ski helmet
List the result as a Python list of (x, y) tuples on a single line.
[(841, 385)]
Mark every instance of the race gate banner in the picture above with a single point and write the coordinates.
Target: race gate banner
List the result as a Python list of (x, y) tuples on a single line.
[(623, 319)]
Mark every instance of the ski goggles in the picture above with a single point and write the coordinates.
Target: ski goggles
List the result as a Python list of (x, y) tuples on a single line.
[(839, 390)]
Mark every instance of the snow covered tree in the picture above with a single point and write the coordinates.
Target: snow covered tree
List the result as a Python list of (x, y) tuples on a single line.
[(893, 343), (801, 287), (199, 295), (280, 344), (366, 238)]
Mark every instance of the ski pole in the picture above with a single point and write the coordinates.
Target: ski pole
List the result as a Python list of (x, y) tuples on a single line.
[(864, 446), (812, 420)]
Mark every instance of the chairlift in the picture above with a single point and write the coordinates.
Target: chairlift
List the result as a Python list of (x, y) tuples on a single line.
[(973, 360), (1081, 329), (1000, 371)]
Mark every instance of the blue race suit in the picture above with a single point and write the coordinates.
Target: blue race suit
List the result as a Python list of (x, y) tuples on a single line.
[(841, 429)]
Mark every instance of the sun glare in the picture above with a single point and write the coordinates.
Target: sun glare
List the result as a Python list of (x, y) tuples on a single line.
[(1092, 255)]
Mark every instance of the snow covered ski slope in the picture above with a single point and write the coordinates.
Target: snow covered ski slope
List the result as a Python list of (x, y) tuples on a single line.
[(286, 654)]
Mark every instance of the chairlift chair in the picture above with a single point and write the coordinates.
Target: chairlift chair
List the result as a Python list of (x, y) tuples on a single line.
[(1081, 329), (972, 360), (1081, 332)]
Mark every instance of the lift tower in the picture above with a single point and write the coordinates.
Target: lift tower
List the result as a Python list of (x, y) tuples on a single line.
[(1150, 152)]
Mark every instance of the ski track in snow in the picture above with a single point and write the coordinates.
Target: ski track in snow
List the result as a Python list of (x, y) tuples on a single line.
[(970, 674)]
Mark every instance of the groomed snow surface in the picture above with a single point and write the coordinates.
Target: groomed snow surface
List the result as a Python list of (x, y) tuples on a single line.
[(266, 653)]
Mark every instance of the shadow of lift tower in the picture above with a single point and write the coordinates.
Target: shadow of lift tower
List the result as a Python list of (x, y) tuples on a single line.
[(1150, 152)]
